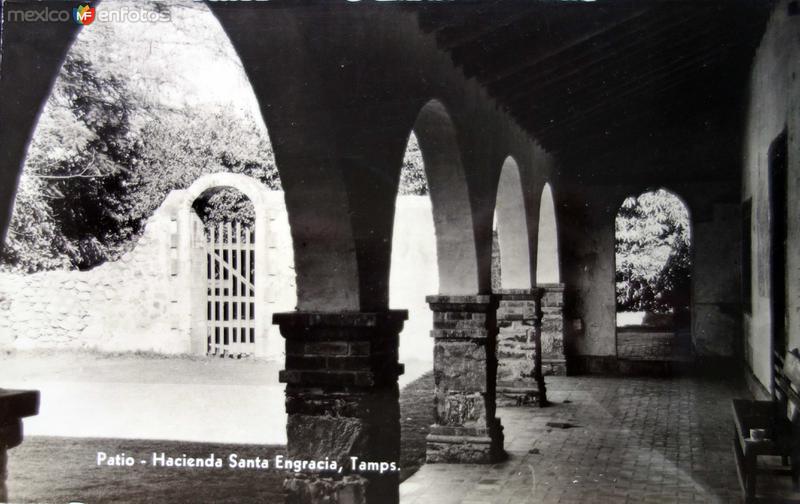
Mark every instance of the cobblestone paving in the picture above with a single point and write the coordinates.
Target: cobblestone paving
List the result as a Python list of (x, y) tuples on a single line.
[(633, 440)]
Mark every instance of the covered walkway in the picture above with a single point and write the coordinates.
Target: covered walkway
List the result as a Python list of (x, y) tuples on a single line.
[(627, 440)]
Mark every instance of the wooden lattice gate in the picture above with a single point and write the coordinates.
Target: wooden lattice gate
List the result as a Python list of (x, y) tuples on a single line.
[(231, 290)]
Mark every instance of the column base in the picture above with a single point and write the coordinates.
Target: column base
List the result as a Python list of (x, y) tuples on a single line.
[(465, 445), (554, 367), (518, 396)]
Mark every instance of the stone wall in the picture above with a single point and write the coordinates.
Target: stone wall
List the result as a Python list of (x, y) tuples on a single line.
[(151, 299), (554, 361), (125, 305), (774, 107)]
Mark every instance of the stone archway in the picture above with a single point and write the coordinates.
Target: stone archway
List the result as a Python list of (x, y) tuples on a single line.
[(273, 266), (455, 236), (653, 278), (519, 378), (512, 229)]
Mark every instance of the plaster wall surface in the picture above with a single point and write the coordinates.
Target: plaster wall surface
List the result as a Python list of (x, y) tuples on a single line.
[(716, 289), (774, 107), (587, 234), (414, 275)]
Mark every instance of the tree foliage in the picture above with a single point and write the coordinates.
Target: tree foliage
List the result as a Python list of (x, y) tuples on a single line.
[(653, 254), (412, 174), (103, 159)]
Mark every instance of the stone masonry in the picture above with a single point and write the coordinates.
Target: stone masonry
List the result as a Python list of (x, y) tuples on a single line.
[(342, 402), (519, 376), (554, 361), (464, 368)]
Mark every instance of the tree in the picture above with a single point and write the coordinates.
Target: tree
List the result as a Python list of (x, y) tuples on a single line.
[(76, 174), (412, 174), (652, 253)]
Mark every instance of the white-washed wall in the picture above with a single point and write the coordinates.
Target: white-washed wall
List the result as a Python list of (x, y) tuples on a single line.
[(774, 106), (414, 275)]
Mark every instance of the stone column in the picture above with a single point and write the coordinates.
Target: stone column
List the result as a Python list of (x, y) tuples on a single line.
[(554, 360), (519, 365), (464, 368), (342, 401), (14, 405)]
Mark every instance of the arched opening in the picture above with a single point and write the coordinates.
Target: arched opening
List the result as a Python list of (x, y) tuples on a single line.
[(512, 258), (548, 270), (653, 278), (433, 252), (228, 218), (548, 278), (414, 274), (105, 195), (518, 374), (455, 236)]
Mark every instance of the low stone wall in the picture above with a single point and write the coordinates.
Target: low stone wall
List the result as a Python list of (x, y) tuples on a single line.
[(123, 305)]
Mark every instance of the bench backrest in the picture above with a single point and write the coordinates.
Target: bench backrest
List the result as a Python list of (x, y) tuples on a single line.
[(786, 382)]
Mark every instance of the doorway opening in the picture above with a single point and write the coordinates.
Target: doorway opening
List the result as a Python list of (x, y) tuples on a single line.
[(228, 219), (653, 278), (778, 182)]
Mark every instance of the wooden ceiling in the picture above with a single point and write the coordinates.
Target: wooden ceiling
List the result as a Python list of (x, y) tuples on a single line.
[(588, 78)]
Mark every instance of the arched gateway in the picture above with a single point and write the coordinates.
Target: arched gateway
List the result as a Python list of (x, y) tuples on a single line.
[(237, 275)]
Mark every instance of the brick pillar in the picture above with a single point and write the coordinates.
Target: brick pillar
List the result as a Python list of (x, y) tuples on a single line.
[(342, 401), (14, 405), (554, 360), (464, 368), (519, 366)]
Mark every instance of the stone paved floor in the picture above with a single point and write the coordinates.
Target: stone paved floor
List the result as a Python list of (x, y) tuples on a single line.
[(634, 440)]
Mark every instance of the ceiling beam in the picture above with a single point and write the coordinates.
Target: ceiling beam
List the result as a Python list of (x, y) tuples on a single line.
[(523, 64)]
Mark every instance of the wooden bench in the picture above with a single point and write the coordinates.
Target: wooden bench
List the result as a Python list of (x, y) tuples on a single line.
[(780, 421)]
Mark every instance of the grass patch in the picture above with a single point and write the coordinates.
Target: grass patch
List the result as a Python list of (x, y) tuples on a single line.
[(55, 469), (416, 418), (58, 469)]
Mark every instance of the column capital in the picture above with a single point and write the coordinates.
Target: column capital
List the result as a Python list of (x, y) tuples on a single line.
[(533, 294), (461, 302), (343, 350), (552, 287), (16, 404), (344, 319)]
